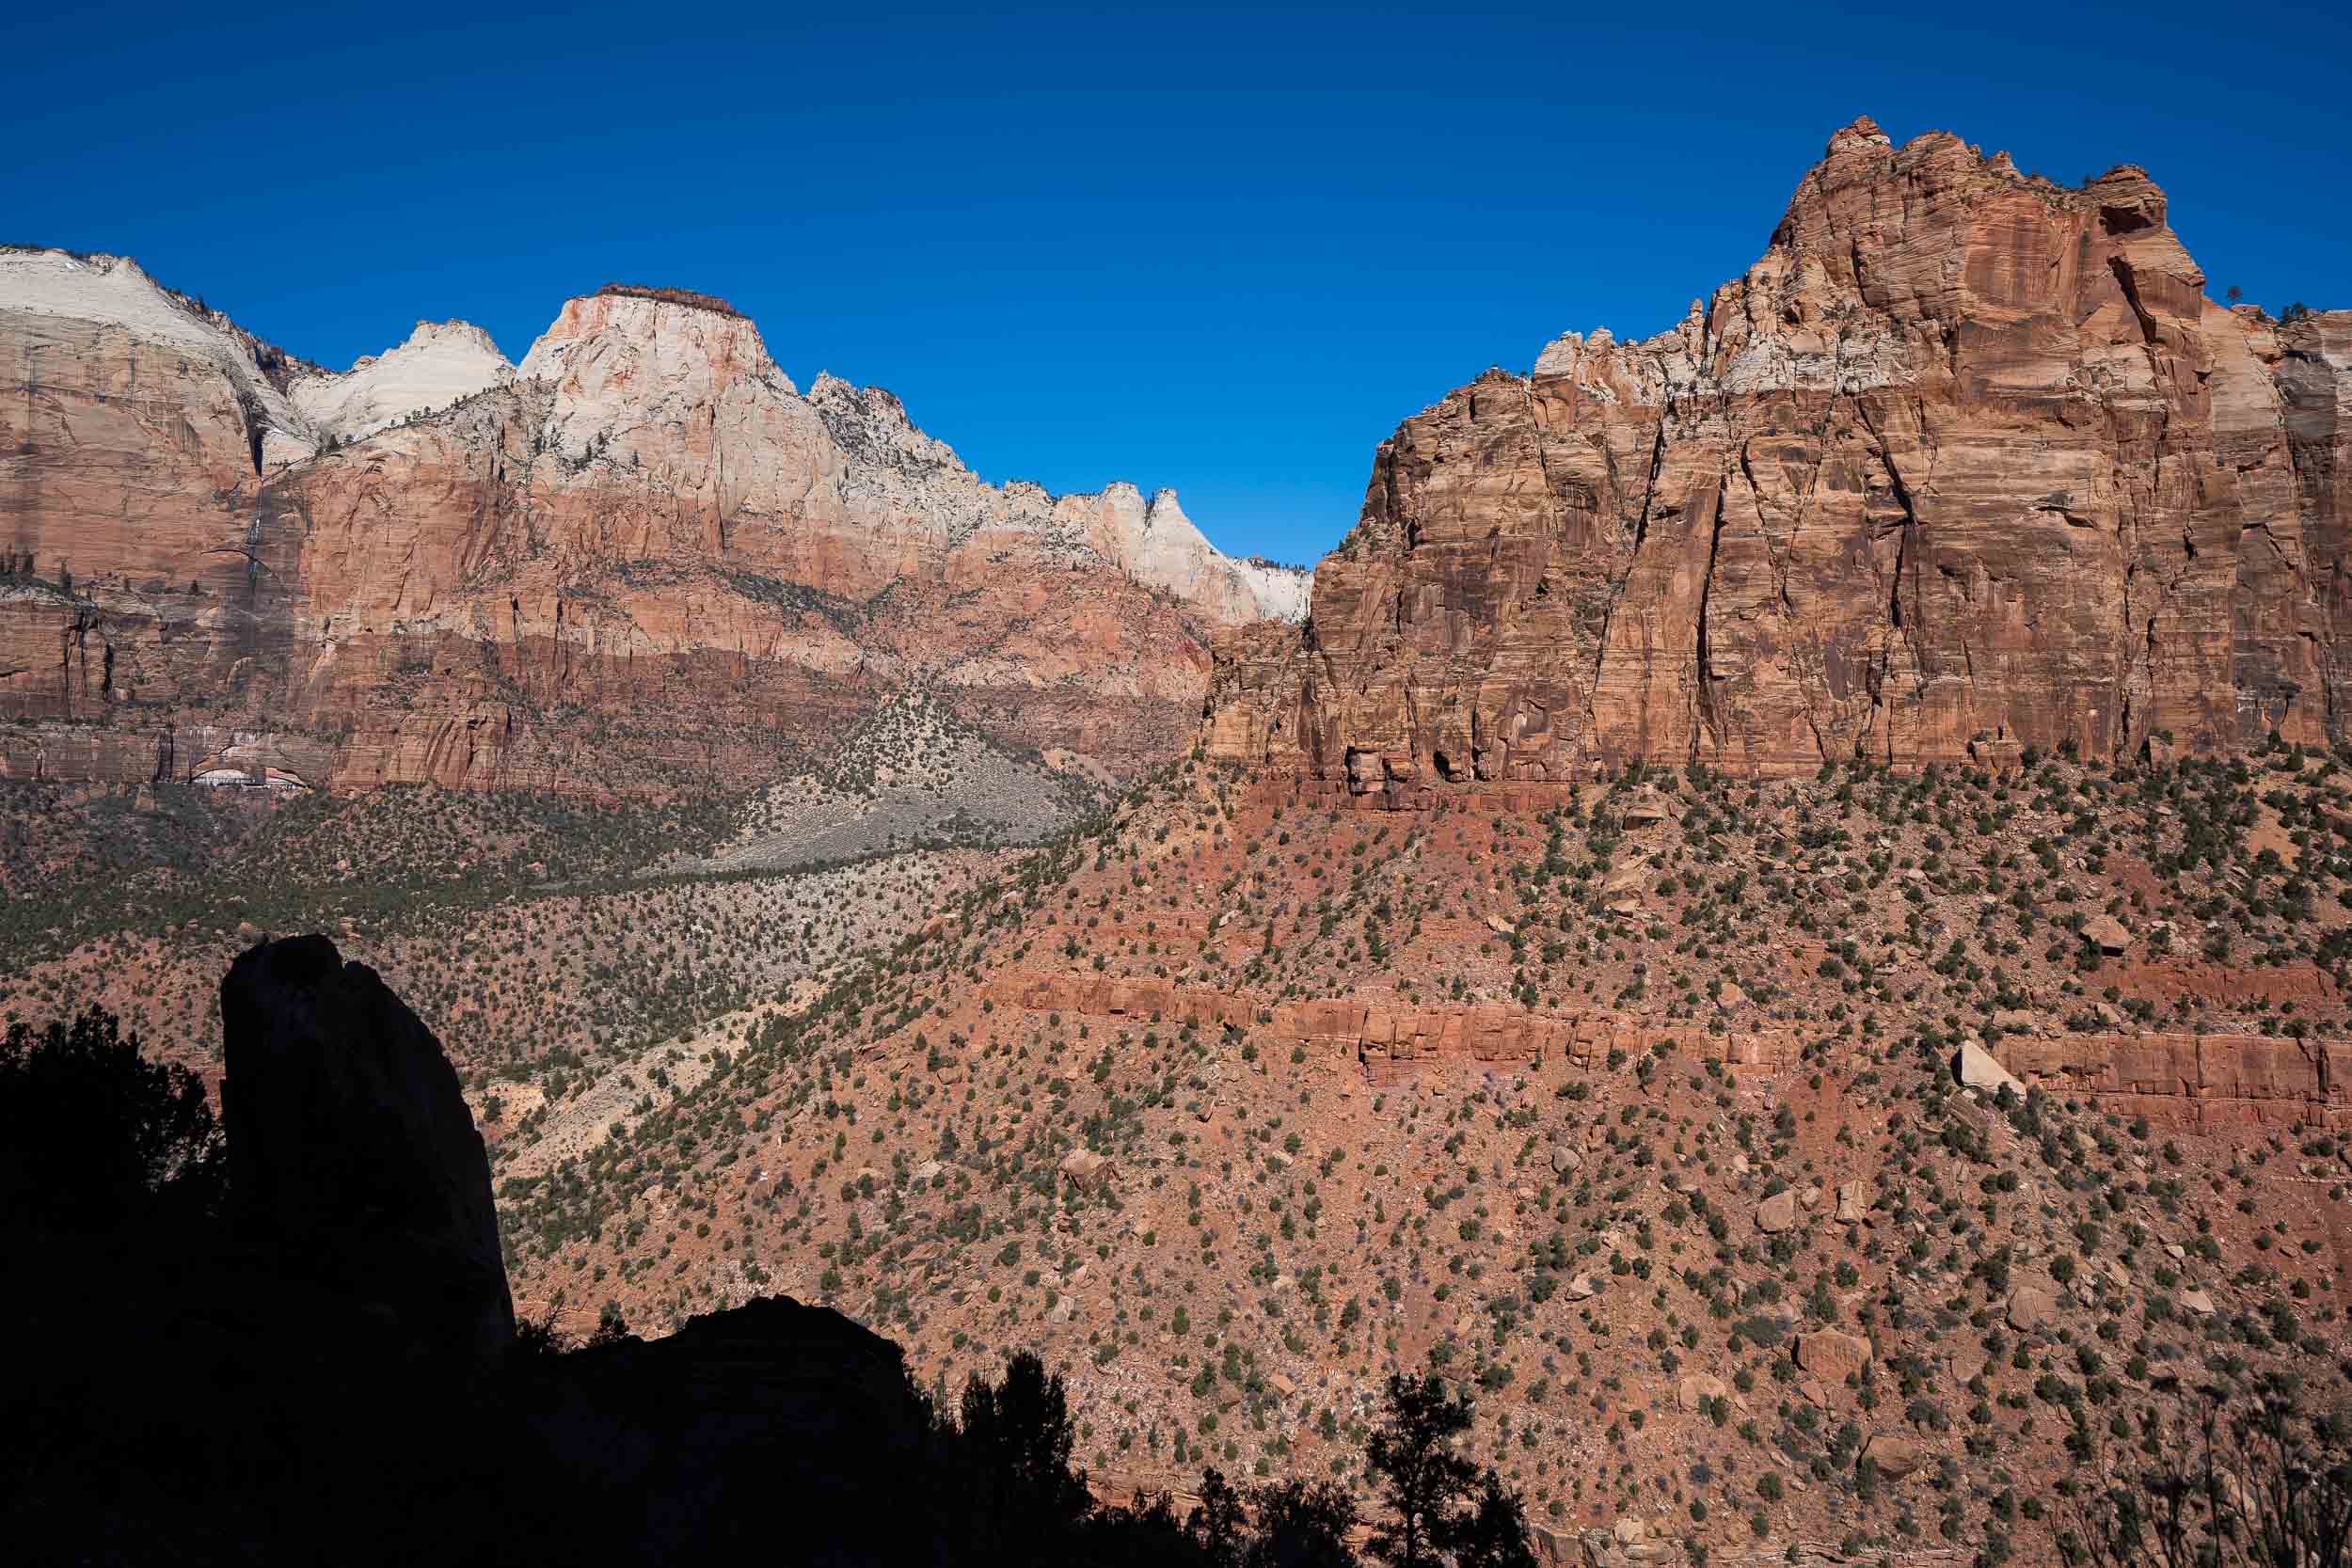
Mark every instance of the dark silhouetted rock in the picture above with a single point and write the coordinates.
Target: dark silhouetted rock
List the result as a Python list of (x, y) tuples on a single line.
[(353, 1158)]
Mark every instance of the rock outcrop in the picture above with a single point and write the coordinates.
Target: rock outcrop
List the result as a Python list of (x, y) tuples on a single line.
[(1966, 462), (2212, 1083), (352, 1160), (641, 561)]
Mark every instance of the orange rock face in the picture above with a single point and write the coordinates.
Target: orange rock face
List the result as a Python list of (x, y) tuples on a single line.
[(638, 562), (1965, 462)]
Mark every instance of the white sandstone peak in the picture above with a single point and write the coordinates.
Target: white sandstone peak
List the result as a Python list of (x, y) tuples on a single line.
[(114, 292), (438, 364), (651, 381), (1157, 544)]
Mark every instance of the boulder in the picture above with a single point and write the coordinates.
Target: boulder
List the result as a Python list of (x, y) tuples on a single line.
[(353, 1161), (1087, 1171), (2109, 935), (1646, 808), (1697, 1388), (1853, 1202), (2030, 1307), (1832, 1356), (1896, 1457), (1977, 1068), (1556, 1546), (1777, 1213)]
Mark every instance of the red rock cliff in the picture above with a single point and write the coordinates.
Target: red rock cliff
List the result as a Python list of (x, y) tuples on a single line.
[(1965, 461), (642, 561)]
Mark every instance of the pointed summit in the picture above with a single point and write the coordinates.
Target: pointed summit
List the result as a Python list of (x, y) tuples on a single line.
[(1862, 133), (440, 363)]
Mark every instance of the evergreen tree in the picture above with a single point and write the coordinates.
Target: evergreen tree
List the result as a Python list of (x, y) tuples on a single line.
[(1218, 1524), (1424, 1479), (1446, 1507)]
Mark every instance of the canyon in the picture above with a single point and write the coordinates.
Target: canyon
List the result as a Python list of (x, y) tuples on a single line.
[(1779, 909)]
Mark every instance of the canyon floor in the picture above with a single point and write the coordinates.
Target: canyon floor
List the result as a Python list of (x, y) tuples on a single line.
[(1636, 1106)]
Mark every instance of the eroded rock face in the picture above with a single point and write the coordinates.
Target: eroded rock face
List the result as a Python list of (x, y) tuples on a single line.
[(353, 1159), (1966, 462), (638, 562)]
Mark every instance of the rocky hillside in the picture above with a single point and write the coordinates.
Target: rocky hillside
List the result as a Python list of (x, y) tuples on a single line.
[(1835, 1167), (1967, 461), (638, 564)]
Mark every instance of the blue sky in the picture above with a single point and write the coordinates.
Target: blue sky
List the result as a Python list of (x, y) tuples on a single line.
[(1220, 249)]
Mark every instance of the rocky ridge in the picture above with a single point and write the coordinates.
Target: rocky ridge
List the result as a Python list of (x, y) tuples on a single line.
[(640, 561), (1967, 462)]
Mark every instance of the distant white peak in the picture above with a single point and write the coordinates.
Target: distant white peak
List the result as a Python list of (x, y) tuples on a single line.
[(440, 363), (1158, 544), (453, 336), (691, 346), (112, 290)]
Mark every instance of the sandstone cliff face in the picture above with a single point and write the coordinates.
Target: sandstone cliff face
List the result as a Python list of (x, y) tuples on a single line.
[(1965, 461), (642, 561)]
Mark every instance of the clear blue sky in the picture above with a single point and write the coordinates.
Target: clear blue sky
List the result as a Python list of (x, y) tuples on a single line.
[(1224, 250)]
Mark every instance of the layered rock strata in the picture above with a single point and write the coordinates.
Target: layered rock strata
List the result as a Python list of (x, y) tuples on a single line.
[(1966, 462), (2205, 1082), (639, 561)]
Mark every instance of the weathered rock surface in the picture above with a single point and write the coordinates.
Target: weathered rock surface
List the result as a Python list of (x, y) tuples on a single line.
[(2032, 1306), (2200, 1083), (2109, 935), (353, 1158), (1977, 1069), (638, 562), (1086, 1171), (1965, 461), (1896, 1457), (1832, 1356)]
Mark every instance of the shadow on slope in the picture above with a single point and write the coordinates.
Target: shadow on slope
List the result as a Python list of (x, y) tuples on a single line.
[(287, 1336)]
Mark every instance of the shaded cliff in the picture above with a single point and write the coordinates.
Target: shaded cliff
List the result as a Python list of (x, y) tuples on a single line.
[(322, 1363), (1966, 462)]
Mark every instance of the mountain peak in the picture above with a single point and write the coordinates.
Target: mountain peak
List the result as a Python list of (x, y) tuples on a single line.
[(685, 298), (440, 363), (1860, 132)]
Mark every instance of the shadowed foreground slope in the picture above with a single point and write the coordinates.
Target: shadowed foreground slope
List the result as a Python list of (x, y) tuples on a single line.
[(296, 1343)]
